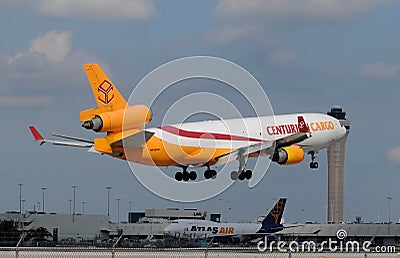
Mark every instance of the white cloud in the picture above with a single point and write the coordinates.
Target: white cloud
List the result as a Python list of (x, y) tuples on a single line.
[(283, 57), (24, 101), (54, 45), (394, 155), (295, 10), (48, 65), (380, 71), (229, 34), (97, 9)]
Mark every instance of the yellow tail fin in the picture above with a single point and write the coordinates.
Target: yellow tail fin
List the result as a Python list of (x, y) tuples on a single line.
[(104, 91)]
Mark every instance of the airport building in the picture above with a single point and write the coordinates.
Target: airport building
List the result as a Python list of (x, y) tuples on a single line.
[(172, 214), (96, 228), (67, 227)]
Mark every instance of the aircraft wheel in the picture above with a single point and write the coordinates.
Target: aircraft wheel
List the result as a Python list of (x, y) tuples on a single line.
[(314, 165), (192, 175), (185, 176), (213, 174), (241, 176), (234, 175), (178, 176), (207, 174), (248, 174)]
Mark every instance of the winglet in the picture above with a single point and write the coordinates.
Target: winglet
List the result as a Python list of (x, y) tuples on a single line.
[(303, 127), (36, 134)]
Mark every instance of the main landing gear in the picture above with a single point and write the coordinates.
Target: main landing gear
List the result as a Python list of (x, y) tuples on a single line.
[(210, 173), (192, 175), (313, 163), (242, 176), (185, 176)]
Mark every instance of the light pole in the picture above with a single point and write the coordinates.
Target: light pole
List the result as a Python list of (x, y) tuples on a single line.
[(43, 189), (70, 206), (389, 199), (130, 206), (20, 198), (23, 205), (73, 214), (83, 208), (108, 201), (379, 215), (118, 199)]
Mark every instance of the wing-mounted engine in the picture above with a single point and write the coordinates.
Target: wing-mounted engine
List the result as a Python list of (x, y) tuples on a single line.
[(288, 155), (108, 120), (235, 239)]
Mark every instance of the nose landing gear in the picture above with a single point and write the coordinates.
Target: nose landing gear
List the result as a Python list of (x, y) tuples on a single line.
[(313, 163)]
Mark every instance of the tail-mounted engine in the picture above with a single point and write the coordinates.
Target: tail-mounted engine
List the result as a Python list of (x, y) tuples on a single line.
[(100, 120)]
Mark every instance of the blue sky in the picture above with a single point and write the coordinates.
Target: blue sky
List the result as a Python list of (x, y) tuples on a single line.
[(308, 55)]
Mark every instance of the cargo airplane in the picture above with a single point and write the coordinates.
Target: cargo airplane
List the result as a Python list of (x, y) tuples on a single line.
[(230, 232), (283, 138)]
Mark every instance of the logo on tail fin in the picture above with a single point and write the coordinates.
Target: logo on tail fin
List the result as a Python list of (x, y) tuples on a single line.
[(106, 92), (276, 212)]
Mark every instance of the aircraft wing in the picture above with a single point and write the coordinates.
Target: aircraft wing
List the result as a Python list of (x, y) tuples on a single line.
[(135, 140), (291, 139), (263, 147), (267, 147), (246, 237)]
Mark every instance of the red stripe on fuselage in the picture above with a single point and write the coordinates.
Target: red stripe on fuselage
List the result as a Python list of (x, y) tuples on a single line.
[(207, 135)]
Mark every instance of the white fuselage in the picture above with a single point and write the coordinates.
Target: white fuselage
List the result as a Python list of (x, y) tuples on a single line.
[(207, 229), (324, 130), (200, 142)]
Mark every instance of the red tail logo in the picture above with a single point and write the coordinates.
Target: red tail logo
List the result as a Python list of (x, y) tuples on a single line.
[(106, 94), (303, 127)]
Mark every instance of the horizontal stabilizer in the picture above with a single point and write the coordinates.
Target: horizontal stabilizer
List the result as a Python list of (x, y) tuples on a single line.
[(71, 138), (77, 142)]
